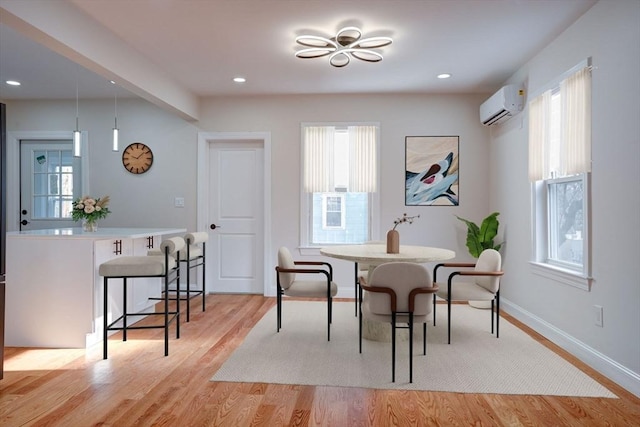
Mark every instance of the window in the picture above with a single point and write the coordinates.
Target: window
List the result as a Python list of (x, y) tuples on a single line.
[(339, 184), (566, 222), (559, 169), (52, 184), (333, 212)]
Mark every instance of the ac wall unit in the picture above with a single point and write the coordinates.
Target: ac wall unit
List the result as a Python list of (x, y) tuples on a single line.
[(502, 105)]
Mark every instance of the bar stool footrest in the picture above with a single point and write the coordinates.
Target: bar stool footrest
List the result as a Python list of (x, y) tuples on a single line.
[(173, 315)]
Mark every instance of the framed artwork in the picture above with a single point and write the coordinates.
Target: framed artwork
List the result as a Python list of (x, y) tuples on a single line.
[(431, 170)]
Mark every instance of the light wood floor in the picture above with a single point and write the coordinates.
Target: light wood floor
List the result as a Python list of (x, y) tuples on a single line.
[(138, 386)]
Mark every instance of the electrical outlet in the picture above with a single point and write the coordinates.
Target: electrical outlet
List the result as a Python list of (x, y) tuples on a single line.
[(598, 315), (179, 202)]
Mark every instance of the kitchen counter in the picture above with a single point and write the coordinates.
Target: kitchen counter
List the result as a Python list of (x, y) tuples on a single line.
[(54, 291), (102, 233)]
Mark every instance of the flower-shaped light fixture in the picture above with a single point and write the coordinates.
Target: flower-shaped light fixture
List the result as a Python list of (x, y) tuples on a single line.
[(347, 43)]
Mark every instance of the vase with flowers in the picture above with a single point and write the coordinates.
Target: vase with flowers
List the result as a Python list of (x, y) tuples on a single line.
[(90, 210), (393, 237)]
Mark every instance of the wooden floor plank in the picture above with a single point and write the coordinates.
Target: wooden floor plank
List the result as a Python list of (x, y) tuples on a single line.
[(137, 385)]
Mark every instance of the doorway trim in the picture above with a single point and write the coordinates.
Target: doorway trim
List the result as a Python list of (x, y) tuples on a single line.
[(205, 139), (13, 167)]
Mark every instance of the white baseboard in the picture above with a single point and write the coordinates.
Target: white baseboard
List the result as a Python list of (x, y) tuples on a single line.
[(608, 367)]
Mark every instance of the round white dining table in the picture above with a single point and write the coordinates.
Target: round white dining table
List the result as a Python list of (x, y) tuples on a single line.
[(376, 254)]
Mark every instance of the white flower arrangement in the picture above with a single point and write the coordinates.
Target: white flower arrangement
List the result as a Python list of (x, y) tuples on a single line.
[(90, 209)]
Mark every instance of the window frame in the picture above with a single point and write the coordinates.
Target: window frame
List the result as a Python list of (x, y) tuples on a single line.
[(325, 210), (551, 189), (54, 202), (541, 263), (306, 199)]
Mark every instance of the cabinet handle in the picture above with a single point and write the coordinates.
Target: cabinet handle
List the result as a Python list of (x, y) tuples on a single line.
[(118, 247), (149, 242)]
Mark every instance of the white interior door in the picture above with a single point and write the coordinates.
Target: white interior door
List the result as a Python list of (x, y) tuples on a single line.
[(236, 216), (50, 179)]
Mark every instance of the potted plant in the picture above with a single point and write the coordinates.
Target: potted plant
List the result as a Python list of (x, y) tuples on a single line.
[(481, 238)]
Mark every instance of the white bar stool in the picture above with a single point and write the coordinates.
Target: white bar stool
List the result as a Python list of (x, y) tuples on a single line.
[(124, 267), (193, 256)]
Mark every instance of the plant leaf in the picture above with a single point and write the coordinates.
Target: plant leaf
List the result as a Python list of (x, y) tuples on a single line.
[(489, 230), (481, 238), (473, 241)]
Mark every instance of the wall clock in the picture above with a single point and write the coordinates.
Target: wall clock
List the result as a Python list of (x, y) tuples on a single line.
[(137, 158)]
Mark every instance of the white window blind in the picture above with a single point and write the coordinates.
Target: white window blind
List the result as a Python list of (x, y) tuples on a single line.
[(362, 164), (539, 116), (575, 93), (571, 153), (319, 159)]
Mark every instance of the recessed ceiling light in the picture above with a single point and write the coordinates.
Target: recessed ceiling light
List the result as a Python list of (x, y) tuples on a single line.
[(444, 76), (239, 79), (13, 83)]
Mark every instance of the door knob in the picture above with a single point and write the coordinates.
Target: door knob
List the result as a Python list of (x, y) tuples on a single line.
[(24, 222), (213, 226)]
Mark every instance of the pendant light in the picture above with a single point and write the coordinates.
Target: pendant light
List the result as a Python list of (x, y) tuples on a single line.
[(115, 127), (76, 133)]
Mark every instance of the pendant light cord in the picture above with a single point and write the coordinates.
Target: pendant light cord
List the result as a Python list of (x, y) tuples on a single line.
[(77, 109)]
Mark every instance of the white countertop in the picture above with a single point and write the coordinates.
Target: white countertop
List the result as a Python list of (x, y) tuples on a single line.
[(102, 233)]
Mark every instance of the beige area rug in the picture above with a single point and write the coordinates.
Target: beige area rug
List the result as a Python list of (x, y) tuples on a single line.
[(475, 362)]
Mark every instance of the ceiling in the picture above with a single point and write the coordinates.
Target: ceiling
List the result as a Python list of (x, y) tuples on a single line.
[(200, 45)]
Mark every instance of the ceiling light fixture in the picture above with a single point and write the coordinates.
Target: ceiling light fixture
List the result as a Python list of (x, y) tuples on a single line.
[(345, 45), (239, 79), (76, 133), (444, 76), (115, 114), (13, 83)]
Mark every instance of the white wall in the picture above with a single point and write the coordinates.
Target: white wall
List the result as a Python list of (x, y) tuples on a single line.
[(138, 200), (399, 116), (609, 33), (145, 200)]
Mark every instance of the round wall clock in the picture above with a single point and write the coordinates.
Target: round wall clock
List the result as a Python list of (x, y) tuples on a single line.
[(137, 158)]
